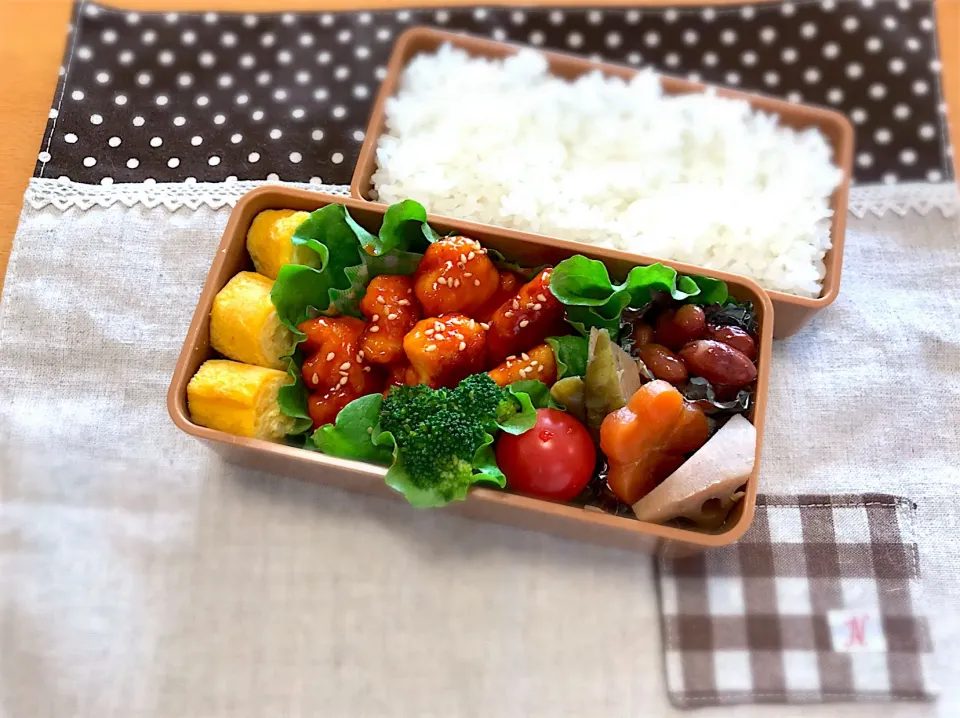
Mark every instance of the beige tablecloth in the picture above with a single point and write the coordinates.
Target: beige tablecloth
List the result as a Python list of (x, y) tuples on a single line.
[(140, 576)]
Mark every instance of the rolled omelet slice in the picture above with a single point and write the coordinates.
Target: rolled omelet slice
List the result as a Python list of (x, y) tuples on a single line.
[(239, 399), (270, 245), (244, 325)]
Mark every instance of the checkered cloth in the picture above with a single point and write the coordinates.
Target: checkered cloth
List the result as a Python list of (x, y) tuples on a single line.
[(819, 601)]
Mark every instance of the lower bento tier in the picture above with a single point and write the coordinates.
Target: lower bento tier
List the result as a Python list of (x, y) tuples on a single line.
[(442, 360)]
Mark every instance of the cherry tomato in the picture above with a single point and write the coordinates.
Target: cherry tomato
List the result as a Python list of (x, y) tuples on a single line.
[(553, 460)]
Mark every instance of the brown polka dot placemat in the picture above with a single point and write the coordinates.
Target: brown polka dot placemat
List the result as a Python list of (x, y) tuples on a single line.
[(211, 96), (820, 601)]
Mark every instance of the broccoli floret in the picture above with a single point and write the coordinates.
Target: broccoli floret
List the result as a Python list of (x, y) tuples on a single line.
[(438, 431)]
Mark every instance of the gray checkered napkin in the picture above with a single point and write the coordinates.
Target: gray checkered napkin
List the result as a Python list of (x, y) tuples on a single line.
[(818, 602)]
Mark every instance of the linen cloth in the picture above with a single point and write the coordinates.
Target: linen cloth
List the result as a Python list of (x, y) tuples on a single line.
[(140, 576), (820, 601)]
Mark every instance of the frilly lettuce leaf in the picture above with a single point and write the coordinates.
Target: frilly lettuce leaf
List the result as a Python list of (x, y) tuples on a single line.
[(292, 398), (352, 436), (404, 227), (593, 300), (350, 256), (570, 353), (712, 291), (538, 392), (526, 416)]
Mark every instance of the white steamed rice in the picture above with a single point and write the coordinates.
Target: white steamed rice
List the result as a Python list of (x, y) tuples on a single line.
[(695, 178)]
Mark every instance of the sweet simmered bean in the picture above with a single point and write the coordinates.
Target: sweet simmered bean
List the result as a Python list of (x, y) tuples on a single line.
[(664, 363), (642, 335), (734, 337), (674, 328), (718, 363)]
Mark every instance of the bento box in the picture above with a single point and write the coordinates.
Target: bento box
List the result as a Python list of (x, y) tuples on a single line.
[(792, 311), (568, 520)]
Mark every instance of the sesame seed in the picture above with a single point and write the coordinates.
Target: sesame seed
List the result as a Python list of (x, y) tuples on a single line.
[(516, 304), (439, 337), (431, 348), (449, 265), (468, 274), (366, 368), (523, 323), (511, 357), (342, 373), (359, 357), (429, 332), (403, 302), (463, 345), (484, 325), (375, 318), (441, 280), (381, 300), (434, 286), (476, 282), (471, 255), (463, 258), (525, 356), (523, 372), (345, 366), (541, 298), (537, 307), (456, 283), (343, 381), (409, 291), (315, 378), (331, 356), (534, 362), (392, 316), (540, 368), (374, 329), (438, 326)]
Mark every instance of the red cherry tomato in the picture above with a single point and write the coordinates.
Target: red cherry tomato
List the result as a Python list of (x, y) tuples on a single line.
[(554, 460)]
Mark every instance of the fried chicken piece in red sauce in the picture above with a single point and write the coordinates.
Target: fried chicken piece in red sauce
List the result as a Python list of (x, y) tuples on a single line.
[(455, 276), (510, 283), (400, 374), (524, 321), (335, 371), (393, 310), (538, 363), (446, 349)]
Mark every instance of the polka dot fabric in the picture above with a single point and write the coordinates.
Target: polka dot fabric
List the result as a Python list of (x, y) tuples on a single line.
[(215, 97)]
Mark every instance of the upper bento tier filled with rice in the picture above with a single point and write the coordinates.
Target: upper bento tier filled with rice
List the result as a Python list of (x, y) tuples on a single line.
[(694, 178)]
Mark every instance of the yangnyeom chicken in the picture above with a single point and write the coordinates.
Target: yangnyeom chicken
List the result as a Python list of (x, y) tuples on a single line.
[(510, 283), (446, 349), (537, 363), (455, 276), (392, 311), (336, 369), (525, 320)]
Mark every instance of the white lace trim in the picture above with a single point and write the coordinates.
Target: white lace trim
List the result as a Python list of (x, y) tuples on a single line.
[(66, 195), (900, 199)]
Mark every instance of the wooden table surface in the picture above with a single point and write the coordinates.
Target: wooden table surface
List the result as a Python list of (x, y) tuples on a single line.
[(32, 38)]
